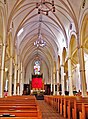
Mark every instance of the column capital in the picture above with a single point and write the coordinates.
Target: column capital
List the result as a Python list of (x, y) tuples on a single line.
[(69, 58), (81, 46), (3, 44), (62, 65), (54, 72), (69, 76), (16, 64), (82, 70), (2, 69), (11, 57)]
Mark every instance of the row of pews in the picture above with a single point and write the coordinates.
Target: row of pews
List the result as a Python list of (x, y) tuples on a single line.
[(19, 107), (71, 107)]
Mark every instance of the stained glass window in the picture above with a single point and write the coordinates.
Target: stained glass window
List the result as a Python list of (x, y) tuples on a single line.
[(37, 67)]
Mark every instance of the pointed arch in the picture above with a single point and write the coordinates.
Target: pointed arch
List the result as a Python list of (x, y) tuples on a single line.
[(84, 34)]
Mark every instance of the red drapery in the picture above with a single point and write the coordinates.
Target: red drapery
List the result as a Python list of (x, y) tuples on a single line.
[(37, 83)]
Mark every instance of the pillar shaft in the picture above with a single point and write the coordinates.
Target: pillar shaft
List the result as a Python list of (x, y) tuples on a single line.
[(62, 79), (18, 78), (21, 81), (51, 83), (10, 78), (11, 64), (54, 83), (18, 82), (3, 58), (70, 77), (82, 72), (15, 74), (57, 82), (2, 71)]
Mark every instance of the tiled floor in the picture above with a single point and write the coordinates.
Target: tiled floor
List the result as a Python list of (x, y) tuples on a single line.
[(48, 112)]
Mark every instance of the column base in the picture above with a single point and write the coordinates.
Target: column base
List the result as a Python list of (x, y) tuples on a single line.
[(71, 94), (58, 93), (1, 96), (84, 95), (14, 94)]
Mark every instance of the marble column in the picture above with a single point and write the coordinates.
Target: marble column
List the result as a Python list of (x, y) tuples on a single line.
[(51, 82), (57, 74), (54, 77), (82, 71), (62, 80), (23, 73), (10, 65), (15, 75), (21, 81), (18, 78), (86, 69), (2, 70), (54, 83), (70, 77), (57, 82), (3, 56)]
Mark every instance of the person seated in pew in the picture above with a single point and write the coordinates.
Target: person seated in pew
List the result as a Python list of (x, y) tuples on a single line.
[(79, 93), (5, 93)]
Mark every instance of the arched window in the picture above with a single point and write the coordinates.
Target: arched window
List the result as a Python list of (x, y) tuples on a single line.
[(37, 67)]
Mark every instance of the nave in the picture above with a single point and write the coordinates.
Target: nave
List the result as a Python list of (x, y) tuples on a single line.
[(26, 107), (46, 38), (47, 111), (52, 107), (44, 52)]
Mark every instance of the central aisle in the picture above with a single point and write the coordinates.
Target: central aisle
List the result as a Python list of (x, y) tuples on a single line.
[(47, 111)]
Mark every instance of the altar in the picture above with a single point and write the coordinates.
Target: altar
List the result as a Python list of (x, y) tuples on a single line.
[(37, 92), (37, 87)]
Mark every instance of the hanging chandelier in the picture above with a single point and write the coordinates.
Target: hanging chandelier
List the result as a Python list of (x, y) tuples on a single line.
[(45, 6), (40, 41)]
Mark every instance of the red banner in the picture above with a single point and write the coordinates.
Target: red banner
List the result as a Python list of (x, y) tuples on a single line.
[(37, 83)]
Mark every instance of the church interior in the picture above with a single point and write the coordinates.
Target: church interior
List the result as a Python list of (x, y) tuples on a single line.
[(44, 58)]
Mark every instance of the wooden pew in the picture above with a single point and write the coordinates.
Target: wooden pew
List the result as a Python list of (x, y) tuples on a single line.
[(20, 118), (20, 107), (83, 114), (78, 106), (68, 106), (72, 106), (21, 113), (84, 111)]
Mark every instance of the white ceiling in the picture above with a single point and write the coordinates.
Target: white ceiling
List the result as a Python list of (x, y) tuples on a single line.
[(54, 27)]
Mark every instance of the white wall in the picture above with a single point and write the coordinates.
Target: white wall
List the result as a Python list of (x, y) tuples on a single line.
[(45, 71)]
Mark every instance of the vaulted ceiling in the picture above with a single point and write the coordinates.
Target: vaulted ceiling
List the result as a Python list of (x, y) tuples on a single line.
[(23, 16)]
